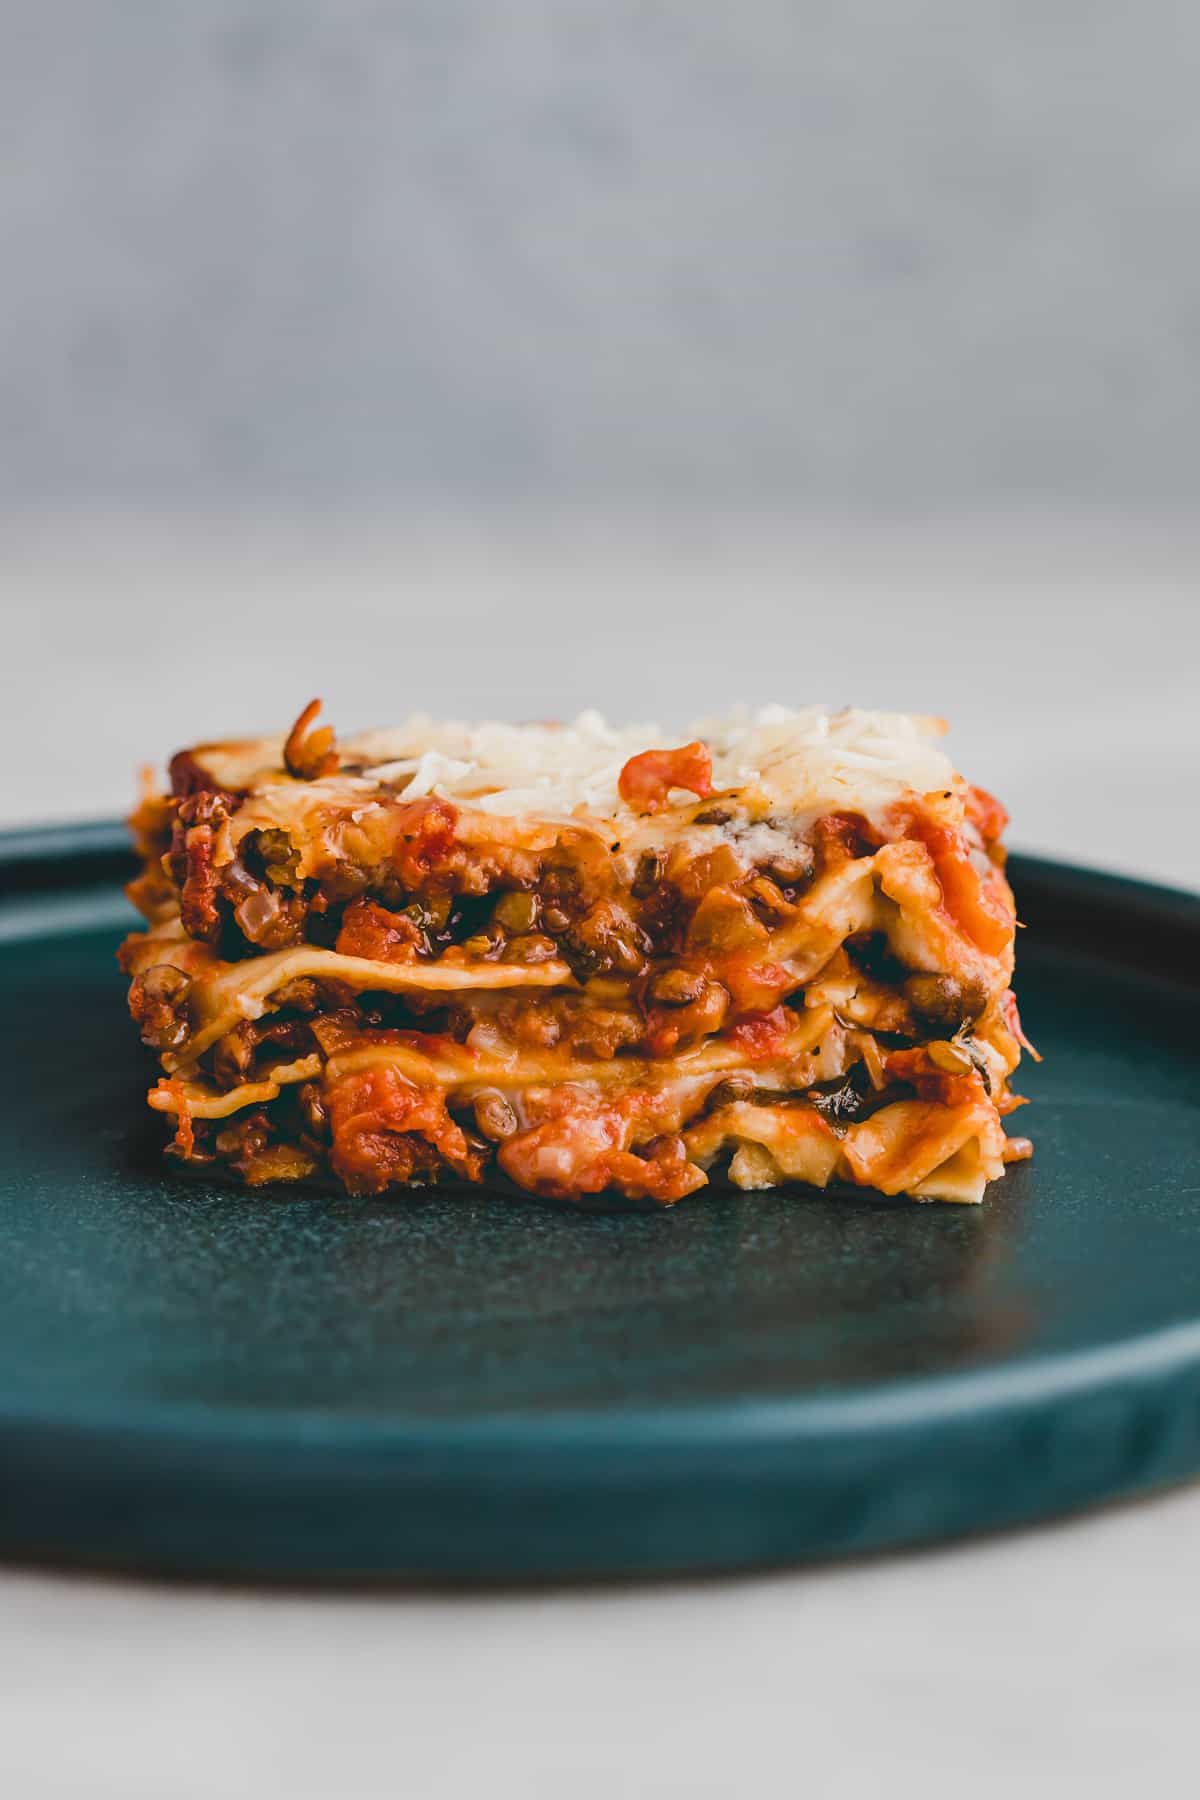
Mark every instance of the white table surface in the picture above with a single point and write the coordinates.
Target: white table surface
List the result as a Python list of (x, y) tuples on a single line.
[(1064, 1656)]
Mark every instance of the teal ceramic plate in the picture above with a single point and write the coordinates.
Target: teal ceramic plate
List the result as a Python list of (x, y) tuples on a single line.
[(201, 1379)]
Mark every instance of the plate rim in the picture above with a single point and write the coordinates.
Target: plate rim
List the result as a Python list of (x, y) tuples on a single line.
[(570, 1454)]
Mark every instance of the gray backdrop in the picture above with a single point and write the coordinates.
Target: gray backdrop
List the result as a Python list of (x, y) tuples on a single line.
[(826, 252), (503, 356)]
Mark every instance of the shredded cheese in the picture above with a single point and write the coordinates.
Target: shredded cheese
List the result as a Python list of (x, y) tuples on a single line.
[(802, 762)]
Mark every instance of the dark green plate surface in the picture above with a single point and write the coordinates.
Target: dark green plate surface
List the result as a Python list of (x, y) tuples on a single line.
[(201, 1379)]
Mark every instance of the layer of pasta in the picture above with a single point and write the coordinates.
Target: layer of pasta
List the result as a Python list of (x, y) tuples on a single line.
[(579, 961)]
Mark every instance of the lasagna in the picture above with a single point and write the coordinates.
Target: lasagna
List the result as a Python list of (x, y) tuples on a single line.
[(580, 960)]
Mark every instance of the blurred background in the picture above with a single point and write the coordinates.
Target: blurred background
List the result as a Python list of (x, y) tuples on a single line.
[(505, 359), (502, 358)]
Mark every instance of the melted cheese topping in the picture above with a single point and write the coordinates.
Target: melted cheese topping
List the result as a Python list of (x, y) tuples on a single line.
[(805, 762)]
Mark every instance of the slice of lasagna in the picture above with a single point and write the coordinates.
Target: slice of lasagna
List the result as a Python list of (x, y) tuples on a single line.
[(582, 960)]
